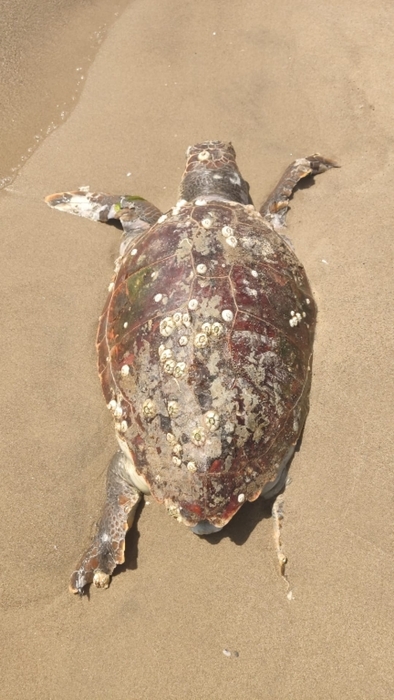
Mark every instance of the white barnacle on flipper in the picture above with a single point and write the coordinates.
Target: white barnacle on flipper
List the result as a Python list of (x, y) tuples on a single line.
[(162, 218)]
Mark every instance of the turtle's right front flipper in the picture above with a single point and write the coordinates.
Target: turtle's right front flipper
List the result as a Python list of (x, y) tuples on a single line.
[(134, 213)]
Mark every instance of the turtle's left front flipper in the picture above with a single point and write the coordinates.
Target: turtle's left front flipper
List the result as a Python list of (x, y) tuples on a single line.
[(134, 213)]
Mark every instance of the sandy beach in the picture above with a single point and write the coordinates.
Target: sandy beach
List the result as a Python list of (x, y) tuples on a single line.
[(281, 81)]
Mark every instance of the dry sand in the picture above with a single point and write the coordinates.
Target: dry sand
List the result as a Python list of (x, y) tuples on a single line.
[(281, 80)]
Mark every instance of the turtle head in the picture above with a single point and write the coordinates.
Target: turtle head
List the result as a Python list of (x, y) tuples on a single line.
[(211, 171)]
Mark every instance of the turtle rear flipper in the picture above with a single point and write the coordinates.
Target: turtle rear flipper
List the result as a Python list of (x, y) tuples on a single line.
[(134, 213), (106, 550)]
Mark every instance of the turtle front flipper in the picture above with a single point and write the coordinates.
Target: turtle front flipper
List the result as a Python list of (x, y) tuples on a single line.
[(108, 545), (134, 213), (275, 208)]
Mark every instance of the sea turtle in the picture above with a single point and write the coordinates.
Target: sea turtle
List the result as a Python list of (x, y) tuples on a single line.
[(204, 349)]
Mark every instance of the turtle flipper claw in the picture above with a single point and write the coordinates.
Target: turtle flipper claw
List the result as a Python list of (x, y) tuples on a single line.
[(90, 572), (78, 581)]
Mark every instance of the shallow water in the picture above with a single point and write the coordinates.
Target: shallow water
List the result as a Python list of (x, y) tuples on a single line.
[(46, 49)]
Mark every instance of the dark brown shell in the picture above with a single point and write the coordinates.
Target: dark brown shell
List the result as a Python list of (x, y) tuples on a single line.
[(208, 411)]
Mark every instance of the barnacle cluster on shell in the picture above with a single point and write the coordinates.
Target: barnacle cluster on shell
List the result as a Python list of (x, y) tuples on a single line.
[(228, 235), (201, 340), (121, 426), (116, 408), (173, 511), (198, 436), (177, 318), (167, 326), (217, 329), (149, 408), (227, 315), (165, 353), (296, 318), (206, 223), (179, 370), (173, 408), (193, 304), (209, 331), (212, 420)]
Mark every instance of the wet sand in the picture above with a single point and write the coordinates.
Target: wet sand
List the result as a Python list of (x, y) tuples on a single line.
[(280, 82), (46, 49)]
